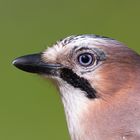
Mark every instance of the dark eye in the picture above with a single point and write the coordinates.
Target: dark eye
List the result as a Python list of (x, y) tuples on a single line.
[(86, 59)]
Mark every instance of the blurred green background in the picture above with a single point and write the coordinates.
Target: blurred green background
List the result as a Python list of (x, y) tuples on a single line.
[(30, 107)]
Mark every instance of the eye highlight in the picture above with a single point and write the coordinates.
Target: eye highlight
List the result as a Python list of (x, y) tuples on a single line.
[(86, 59)]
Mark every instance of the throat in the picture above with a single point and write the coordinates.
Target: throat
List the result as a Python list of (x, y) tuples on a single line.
[(75, 104)]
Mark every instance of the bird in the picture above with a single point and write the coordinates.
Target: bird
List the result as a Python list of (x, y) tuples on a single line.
[(99, 83)]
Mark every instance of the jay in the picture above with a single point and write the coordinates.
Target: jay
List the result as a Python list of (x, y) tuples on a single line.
[(99, 83)]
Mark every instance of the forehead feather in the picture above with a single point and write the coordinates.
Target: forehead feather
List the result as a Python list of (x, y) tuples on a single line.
[(68, 43), (87, 39)]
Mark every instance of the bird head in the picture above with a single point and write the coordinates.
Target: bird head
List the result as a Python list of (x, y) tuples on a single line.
[(89, 70), (92, 63)]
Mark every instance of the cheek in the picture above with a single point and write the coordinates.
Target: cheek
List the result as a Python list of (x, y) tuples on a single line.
[(109, 80), (109, 83)]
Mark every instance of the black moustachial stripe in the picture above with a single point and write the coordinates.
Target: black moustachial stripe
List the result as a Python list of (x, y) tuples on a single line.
[(78, 82)]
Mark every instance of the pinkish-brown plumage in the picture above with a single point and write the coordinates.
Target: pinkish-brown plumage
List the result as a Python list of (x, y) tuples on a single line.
[(99, 82)]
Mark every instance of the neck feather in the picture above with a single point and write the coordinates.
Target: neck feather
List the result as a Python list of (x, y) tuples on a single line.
[(75, 102)]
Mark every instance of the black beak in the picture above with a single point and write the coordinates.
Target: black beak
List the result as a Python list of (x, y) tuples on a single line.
[(33, 63)]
